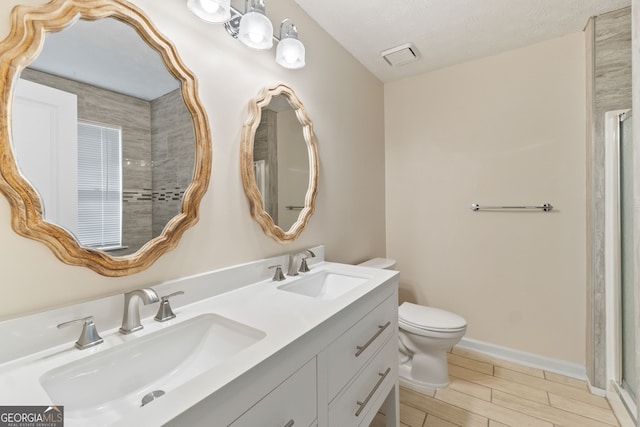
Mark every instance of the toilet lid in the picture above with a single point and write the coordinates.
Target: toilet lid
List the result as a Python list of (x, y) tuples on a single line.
[(429, 318)]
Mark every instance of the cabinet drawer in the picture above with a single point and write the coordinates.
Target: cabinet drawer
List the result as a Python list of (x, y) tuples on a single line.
[(349, 353), (292, 403), (368, 389)]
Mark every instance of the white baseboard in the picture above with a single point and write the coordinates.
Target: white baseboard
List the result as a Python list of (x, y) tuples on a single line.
[(596, 390), (557, 366)]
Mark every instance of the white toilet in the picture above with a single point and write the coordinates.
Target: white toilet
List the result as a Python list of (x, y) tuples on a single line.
[(426, 334)]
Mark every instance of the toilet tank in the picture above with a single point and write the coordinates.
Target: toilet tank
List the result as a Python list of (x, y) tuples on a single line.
[(383, 263)]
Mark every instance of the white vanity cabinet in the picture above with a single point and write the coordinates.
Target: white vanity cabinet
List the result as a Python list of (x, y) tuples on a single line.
[(336, 375), (363, 366), (292, 403), (353, 349), (319, 349), (359, 402)]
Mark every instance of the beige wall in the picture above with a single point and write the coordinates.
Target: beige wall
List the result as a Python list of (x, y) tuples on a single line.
[(507, 129), (345, 103)]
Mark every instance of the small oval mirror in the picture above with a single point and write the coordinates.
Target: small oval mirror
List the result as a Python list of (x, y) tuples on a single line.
[(279, 163)]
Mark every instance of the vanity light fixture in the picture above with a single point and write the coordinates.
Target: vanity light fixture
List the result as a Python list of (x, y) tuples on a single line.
[(256, 30), (290, 51), (217, 11), (253, 28)]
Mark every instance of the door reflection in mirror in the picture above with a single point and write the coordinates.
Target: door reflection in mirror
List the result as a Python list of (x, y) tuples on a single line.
[(44, 120)]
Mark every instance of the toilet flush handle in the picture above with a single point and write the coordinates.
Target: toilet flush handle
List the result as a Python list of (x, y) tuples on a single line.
[(361, 348)]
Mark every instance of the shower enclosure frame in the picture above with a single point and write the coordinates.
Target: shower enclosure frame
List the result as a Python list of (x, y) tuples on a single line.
[(613, 285)]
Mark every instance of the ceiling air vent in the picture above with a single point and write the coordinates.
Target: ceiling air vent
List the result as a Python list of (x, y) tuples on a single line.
[(400, 55)]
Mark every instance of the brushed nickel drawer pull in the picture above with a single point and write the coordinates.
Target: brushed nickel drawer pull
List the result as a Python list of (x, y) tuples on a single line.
[(381, 329), (372, 392), (289, 424)]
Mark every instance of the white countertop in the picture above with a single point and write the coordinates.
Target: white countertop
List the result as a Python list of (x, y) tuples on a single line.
[(283, 316)]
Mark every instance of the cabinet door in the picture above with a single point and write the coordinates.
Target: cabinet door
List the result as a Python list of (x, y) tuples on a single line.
[(360, 400), (292, 403), (351, 351)]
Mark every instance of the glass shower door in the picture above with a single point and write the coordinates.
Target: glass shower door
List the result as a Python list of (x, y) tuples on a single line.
[(627, 295)]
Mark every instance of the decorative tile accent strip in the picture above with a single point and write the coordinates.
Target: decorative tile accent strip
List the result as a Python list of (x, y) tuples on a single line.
[(131, 196), (168, 195)]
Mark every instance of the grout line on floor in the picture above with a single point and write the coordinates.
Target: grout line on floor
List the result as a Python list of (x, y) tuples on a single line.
[(518, 396)]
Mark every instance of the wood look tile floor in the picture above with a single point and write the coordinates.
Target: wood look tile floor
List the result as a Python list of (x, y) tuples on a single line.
[(489, 392)]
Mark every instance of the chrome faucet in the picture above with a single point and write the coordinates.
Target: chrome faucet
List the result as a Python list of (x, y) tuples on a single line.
[(89, 336), (164, 312), (293, 262), (131, 315)]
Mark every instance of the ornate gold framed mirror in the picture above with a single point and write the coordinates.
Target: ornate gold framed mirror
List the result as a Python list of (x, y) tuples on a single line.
[(121, 182), (279, 163)]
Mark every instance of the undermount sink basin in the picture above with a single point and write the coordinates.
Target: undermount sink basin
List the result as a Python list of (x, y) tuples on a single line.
[(324, 285), (116, 380)]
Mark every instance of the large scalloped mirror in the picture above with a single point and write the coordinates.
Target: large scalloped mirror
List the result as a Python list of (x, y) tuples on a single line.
[(279, 163), (105, 149)]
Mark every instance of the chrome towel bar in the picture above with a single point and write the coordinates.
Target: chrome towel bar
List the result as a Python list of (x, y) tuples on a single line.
[(545, 207)]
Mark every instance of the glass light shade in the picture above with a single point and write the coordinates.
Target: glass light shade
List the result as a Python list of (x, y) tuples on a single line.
[(290, 53), (217, 11), (256, 30)]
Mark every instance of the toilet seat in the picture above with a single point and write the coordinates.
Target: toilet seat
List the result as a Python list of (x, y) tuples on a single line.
[(422, 332), (421, 319)]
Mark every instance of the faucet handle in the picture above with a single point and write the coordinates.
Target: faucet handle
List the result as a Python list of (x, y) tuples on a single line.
[(277, 276), (304, 268), (164, 312), (89, 336)]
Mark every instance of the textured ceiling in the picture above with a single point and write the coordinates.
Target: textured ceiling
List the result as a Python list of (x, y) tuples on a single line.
[(447, 32), (109, 54)]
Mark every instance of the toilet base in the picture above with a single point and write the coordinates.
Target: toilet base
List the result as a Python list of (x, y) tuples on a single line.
[(413, 385), (407, 381), (424, 373)]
